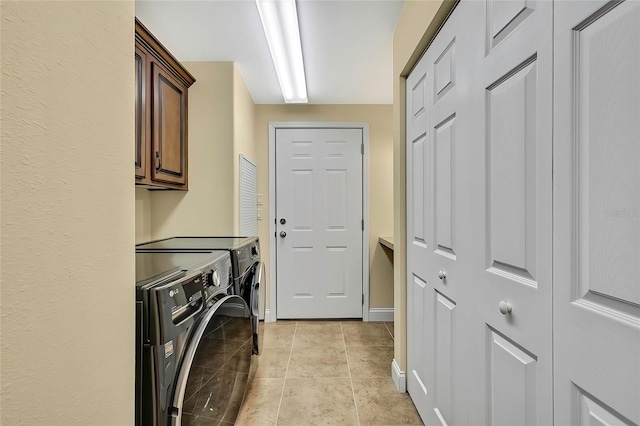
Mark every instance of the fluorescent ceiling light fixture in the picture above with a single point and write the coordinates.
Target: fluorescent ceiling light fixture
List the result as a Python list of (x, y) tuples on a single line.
[(280, 23)]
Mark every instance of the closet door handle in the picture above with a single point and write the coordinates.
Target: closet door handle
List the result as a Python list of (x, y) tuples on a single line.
[(505, 307)]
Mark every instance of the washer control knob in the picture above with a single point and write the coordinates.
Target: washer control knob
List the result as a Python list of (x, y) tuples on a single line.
[(442, 274), (505, 308)]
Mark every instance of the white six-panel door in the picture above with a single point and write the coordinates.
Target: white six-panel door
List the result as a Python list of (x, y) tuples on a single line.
[(438, 222), (482, 336), (419, 335), (597, 213), (319, 223), (512, 366)]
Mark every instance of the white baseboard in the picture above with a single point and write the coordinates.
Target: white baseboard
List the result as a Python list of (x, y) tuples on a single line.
[(381, 314), (399, 377), (267, 316)]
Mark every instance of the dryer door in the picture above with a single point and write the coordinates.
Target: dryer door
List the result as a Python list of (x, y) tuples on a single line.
[(258, 277), (214, 373)]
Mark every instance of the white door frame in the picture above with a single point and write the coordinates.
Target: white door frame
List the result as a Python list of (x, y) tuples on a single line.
[(271, 313)]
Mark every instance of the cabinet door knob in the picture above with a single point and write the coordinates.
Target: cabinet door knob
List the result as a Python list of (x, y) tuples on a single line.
[(442, 274), (505, 308)]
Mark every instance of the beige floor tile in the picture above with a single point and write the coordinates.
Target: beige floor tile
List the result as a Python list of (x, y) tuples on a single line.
[(272, 362), (318, 334), (366, 334), (370, 361), (317, 401), (390, 328), (318, 362), (261, 404), (380, 403), (278, 335)]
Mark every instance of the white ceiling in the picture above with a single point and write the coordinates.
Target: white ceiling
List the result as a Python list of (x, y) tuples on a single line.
[(346, 44)]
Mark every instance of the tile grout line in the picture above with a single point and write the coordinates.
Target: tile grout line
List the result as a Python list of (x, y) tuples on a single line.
[(389, 331), (353, 392), (284, 382)]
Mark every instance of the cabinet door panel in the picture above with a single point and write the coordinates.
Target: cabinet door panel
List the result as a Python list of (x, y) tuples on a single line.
[(169, 128), (141, 65)]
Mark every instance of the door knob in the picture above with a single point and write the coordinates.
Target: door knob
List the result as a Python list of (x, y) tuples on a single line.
[(505, 308), (283, 234), (283, 221), (442, 274)]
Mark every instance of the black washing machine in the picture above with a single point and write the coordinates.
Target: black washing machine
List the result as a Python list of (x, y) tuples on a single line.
[(246, 265), (193, 340)]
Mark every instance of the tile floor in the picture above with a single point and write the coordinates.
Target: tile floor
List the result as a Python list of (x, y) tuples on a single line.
[(326, 373)]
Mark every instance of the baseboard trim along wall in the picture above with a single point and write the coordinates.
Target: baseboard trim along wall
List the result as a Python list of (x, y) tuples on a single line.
[(267, 316), (375, 314), (399, 377), (381, 314)]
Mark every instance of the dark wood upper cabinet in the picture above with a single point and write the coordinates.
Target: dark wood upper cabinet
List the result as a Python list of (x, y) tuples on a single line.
[(169, 128), (162, 85), (140, 111)]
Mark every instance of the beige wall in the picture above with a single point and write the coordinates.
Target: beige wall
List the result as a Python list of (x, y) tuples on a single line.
[(67, 213), (207, 208), (143, 215), (243, 137), (417, 25), (380, 179), (221, 116), (224, 123)]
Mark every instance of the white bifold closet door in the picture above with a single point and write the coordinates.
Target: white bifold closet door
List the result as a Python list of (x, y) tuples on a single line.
[(597, 213), (511, 358), (523, 216), (439, 114), (479, 183)]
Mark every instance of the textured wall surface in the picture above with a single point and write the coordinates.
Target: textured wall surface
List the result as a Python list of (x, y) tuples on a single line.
[(67, 197), (143, 215), (244, 141), (207, 208), (380, 180), (221, 116)]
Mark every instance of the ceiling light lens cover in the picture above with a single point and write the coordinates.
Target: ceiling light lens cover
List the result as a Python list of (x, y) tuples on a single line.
[(280, 22)]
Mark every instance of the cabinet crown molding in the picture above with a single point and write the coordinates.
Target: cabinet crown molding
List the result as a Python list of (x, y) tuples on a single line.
[(144, 36)]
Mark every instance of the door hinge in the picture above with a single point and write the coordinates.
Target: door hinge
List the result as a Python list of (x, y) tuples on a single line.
[(362, 222), (363, 300), (362, 148)]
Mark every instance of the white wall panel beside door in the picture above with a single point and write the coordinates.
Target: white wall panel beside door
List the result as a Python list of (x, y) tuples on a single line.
[(597, 213)]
